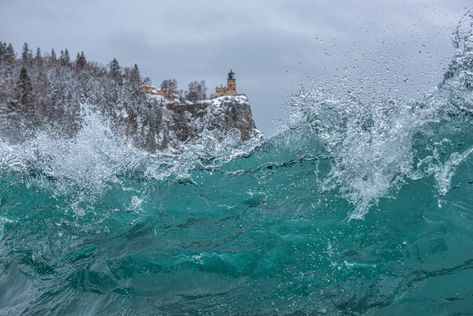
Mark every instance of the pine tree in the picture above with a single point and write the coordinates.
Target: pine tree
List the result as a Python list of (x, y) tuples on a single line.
[(133, 94), (24, 90), (9, 55), (3, 48), (135, 76), (7, 69), (115, 71), (38, 59), (26, 55), (65, 58), (53, 57), (80, 61), (20, 106)]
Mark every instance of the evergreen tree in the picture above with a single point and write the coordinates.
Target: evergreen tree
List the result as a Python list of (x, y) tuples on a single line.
[(7, 69), (22, 101), (53, 57), (2, 52), (9, 55), (80, 61), (26, 55), (135, 76), (38, 59), (132, 89), (115, 71), (65, 58)]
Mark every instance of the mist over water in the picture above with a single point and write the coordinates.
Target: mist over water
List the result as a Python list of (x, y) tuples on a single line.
[(356, 208)]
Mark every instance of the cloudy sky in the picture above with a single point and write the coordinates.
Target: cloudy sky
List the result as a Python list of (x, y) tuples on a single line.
[(392, 47)]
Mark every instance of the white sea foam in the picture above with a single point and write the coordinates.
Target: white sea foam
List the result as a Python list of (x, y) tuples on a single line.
[(96, 156), (371, 142)]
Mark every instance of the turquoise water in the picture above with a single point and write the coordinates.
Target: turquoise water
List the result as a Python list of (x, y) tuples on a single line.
[(357, 208), (254, 235)]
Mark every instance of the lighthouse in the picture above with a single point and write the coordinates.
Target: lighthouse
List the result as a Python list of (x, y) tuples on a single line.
[(231, 83), (230, 88)]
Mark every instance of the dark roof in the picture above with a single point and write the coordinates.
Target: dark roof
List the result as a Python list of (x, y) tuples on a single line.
[(231, 75)]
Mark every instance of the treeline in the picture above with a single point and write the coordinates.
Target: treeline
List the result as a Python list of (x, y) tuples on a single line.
[(39, 89)]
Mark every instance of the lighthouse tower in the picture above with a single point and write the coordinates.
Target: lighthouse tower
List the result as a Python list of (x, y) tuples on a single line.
[(231, 84), (230, 89)]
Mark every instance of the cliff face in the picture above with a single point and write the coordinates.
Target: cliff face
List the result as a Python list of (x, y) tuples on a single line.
[(188, 120), (182, 123)]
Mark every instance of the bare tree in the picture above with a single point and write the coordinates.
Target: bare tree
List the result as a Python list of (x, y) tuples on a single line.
[(170, 84), (197, 91)]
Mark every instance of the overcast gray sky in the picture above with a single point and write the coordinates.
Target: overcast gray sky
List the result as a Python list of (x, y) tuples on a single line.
[(394, 46)]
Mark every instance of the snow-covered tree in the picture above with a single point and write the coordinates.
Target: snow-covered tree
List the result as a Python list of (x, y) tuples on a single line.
[(38, 59), (65, 58), (115, 71), (197, 91), (81, 61), (2, 52), (26, 55), (135, 76), (170, 84), (53, 57), (23, 93), (10, 54)]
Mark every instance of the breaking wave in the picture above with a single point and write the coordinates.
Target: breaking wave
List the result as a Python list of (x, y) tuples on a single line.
[(256, 227)]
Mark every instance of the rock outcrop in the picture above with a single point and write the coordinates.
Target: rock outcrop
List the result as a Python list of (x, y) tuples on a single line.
[(184, 122)]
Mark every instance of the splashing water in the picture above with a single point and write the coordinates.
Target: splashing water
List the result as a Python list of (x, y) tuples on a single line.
[(371, 143), (256, 227)]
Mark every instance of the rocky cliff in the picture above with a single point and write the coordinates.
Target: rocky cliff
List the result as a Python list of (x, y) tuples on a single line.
[(185, 121), (172, 125)]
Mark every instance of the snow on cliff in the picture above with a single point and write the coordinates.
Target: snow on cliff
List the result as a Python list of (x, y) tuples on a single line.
[(185, 122)]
